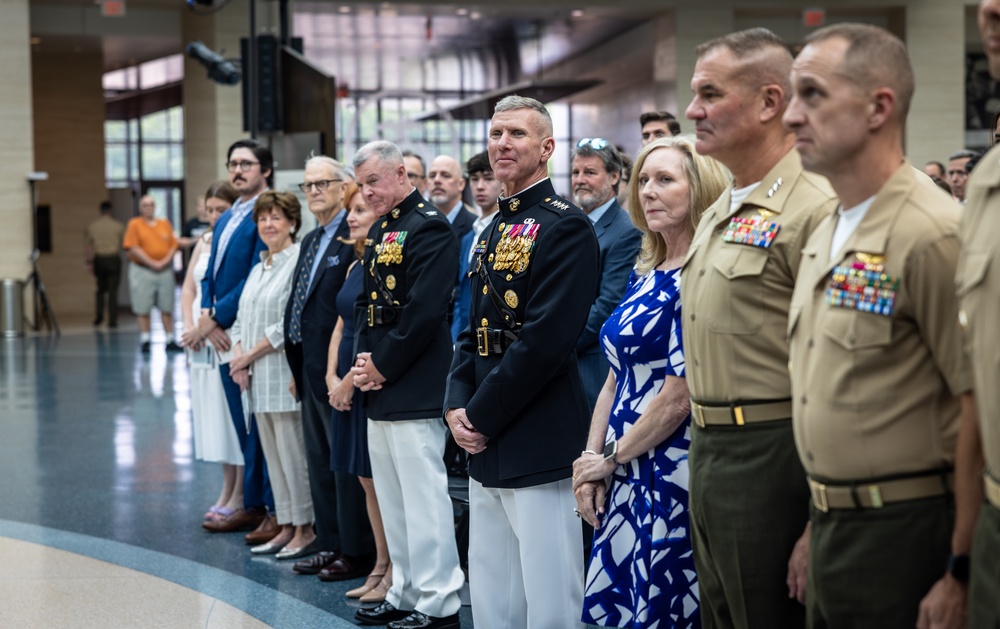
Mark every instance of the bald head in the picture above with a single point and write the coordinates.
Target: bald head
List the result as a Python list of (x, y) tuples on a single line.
[(445, 182), (147, 207)]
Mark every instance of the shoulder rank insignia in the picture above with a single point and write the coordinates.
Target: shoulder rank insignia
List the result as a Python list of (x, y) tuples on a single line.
[(559, 204), (862, 284), (755, 231), (431, 213), (390, 250), (513, 251)]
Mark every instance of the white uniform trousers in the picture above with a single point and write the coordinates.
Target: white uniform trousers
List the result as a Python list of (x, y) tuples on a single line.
[(412, 488), (525, 557)]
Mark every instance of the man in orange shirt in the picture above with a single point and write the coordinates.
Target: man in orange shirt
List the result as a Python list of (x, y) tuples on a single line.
[(150, 243)]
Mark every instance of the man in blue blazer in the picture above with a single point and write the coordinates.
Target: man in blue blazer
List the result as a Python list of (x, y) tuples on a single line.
[(595, 175), (236, 248)]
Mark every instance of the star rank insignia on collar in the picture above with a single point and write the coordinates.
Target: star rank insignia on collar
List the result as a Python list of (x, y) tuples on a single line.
[(774, 188)]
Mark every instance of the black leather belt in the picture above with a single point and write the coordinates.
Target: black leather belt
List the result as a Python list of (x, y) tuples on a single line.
[(493, 340), (382, 315)]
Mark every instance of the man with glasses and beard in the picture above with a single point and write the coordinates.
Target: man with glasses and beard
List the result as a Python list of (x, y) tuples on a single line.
[(235, 251)]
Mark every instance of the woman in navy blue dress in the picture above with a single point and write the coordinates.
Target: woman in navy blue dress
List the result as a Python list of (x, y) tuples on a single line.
[(631, 483), (349, 451)]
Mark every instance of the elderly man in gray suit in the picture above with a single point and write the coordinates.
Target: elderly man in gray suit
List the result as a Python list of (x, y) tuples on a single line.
[(596, 174)]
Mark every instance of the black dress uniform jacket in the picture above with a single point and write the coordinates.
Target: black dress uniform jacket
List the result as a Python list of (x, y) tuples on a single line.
[(410, 265), (319, 314), (541, 256)]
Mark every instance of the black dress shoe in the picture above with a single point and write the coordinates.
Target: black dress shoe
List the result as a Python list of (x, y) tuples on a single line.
[(380, 615), (417, 620), (315, 564), (145, 347), (343, 568)]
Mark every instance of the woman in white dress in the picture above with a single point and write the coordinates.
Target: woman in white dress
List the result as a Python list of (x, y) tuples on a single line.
[(215, 439), (260, 368)]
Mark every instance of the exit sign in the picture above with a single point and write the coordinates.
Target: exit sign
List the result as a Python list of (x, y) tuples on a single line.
[(113, 8), (814, 18)]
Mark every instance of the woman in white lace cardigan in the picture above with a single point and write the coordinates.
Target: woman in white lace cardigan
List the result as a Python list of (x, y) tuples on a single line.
[(260, 368)]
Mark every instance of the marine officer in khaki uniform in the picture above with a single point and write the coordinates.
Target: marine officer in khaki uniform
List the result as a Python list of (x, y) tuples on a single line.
[(749, 499), (978, 283), (879, 377)]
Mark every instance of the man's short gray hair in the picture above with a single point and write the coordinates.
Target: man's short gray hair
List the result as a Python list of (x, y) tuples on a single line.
[(385, 151), (962, 154), (326, 160), (509, 103)]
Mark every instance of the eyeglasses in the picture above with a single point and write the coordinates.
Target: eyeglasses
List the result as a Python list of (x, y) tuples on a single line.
[(595, 143), (242, 166), (320, 185)]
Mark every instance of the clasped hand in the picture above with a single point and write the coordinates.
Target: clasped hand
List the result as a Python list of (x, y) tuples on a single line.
[(466, 436), (365, 375)]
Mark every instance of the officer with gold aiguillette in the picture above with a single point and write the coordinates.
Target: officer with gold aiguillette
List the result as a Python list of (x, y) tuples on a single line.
[(515, 397)]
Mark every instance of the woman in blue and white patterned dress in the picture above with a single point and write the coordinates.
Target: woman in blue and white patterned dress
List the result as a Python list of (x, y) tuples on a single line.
[(631, 484)]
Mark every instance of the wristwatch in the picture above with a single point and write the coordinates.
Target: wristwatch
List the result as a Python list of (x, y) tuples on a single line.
[(211, 313), (610, 451), (958, 567)]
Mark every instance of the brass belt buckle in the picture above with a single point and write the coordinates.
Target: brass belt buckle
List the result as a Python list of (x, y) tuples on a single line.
[(738, 416), (875, 494), (819, 496), (371, 316), (698, 414), (483, 340)]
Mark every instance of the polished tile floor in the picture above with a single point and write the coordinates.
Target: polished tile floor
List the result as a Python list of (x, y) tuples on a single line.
[(101, 500)]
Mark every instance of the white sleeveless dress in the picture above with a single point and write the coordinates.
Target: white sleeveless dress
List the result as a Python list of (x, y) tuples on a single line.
[(214, 435)]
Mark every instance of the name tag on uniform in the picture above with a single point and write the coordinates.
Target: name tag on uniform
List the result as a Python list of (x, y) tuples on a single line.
[(390, 250), (755, 231), (863, 285)]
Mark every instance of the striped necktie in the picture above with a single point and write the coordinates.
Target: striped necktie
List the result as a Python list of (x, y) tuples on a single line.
[(301, 290)]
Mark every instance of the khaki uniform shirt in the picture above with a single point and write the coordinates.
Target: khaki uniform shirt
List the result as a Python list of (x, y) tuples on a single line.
[(105, 235), (876, 351), (979, 295), (735, 296)]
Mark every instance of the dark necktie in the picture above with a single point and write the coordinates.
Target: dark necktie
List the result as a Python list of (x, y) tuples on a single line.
[(301, 290)]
